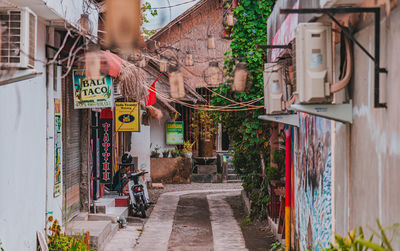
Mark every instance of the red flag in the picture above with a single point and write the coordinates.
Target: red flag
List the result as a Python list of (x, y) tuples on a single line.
[(151, 98)]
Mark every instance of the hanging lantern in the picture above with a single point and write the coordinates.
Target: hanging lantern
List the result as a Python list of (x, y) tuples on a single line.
[(163, 65), (189, 59), (84, 21), (230, 21), (176, 83), (142, 62), (213, 74), (92, 62), (211, 42), (122, 25), (240, 78)]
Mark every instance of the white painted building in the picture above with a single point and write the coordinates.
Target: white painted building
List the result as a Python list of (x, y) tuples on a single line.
[(27, 124)]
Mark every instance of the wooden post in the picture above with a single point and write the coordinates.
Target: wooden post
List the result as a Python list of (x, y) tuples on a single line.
[(84, 186)]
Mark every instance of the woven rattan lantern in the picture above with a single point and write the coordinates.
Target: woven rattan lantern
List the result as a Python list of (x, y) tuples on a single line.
[(163, 65), (189, 59), (240, 78), (142, 63), (230, 21), (176, 83), (211, 42), (123, 19), (84, 21), (92, 62), (213, 74)]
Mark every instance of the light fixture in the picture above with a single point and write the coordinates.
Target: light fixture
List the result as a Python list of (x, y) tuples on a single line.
[(84, 22), (92, 62), (189, 59), (176, 82), (163, 65), (123, 19), (211, 42), (240, 78), (230, 21), (142, 62), (213, 74)]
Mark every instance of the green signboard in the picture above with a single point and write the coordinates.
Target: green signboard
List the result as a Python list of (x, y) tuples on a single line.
[(175, 133)]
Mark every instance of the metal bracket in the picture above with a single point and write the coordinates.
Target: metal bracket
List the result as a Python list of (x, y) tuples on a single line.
[(287, 119), (376, 58), (338, 112)]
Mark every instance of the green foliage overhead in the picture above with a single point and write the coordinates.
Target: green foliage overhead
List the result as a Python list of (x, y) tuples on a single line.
[(245, 129)]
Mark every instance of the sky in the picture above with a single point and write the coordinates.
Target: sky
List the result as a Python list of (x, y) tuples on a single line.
[(164, 15)]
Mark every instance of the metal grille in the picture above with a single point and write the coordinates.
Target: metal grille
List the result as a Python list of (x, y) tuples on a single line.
[(11, 37), (71, 150)]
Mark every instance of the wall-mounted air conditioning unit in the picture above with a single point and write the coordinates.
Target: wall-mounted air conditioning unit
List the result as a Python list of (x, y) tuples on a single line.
[(273, 89), (18, 45), (314, 62), (340, 3)]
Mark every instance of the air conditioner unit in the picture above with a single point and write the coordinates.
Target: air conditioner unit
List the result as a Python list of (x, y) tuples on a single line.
[(273, 89), (314, 62), (340, 3), (18, 45)]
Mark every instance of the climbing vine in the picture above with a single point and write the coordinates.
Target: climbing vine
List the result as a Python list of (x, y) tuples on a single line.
[(248, 133)]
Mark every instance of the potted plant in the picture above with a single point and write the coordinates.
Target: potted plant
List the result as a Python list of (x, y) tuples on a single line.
[(204, 129), (187, 149), (165, 153), (175, 153), (154, 153)]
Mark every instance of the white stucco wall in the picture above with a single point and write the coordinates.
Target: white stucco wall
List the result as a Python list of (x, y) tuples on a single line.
[(23, 157), (158, 133), (140, 147)]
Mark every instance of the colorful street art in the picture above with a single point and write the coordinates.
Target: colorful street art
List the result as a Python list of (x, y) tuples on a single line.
[(313, 192), (57, 147)]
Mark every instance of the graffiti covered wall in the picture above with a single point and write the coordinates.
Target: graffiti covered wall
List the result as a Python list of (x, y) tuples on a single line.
[(313, 192)]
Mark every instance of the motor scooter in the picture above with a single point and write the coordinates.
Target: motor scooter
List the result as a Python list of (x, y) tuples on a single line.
[(137, 197)]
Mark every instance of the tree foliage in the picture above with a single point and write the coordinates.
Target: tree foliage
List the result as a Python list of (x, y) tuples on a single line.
[(247, 132)]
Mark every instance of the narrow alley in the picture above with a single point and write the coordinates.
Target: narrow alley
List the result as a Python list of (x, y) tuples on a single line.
[(199, 217), (199, 125)]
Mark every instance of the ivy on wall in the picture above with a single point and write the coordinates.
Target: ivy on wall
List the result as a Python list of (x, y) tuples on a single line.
[(248, 133)]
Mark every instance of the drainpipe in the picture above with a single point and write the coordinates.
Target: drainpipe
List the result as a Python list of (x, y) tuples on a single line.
[(287, 187)]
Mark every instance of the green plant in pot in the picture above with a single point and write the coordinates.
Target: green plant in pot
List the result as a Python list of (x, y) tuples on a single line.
[(165, 153), (187, 149), (204, 129), (154, 153), (175, 153)]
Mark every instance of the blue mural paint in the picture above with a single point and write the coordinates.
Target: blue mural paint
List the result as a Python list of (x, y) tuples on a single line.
[(313, 179)]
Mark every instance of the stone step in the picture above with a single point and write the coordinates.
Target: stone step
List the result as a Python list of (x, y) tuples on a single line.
[(206, 169), (230, 171), (100, 231), (234, 181), (206, 178), (232, 177)]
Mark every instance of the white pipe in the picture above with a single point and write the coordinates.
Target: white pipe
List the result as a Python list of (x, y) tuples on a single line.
[(349, 68)]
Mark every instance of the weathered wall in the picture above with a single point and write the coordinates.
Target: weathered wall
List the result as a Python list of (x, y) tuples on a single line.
[(190, 34), (313, 178), (158, 133), (140, 147), (374, 136), (23, 158), (171, 170)]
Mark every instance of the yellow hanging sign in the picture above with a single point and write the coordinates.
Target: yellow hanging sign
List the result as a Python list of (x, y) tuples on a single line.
[(127, 117)]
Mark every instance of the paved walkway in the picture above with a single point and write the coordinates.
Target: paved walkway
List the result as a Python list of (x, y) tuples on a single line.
[(206, 222)]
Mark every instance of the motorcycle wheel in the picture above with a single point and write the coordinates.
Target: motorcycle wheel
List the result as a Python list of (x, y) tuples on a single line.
[(130, 210), (142, 209)]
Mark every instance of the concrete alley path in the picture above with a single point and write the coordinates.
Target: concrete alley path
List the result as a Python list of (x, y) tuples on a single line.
[(193, 220)]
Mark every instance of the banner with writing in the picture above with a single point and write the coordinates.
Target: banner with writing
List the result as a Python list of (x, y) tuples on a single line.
[(105, 135), (92, 93)]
